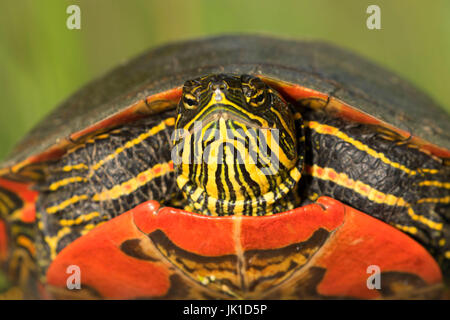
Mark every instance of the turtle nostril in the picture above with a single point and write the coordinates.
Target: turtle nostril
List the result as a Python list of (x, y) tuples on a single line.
[(218, 85)]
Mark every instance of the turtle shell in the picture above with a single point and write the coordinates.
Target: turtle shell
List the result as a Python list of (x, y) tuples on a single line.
[(143, 241), (182, 255), (350, 85)]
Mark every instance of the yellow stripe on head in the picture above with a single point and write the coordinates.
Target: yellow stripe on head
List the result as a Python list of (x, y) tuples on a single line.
[(236, 144)]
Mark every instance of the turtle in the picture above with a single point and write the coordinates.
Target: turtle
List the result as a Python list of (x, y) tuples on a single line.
[(232, 167)]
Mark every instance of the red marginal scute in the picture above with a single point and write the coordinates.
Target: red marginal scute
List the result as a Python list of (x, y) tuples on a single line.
[(297, 92), (149, 105), (293, 226), (3, 242), (28, 196), (195, 233), (363, 241), (355, 242), (105, 268)]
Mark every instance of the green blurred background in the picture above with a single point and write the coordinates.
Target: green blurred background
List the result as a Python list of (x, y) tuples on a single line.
[(42, 62)]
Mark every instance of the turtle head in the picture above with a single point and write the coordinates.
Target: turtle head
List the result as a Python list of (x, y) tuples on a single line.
[(235, 146)]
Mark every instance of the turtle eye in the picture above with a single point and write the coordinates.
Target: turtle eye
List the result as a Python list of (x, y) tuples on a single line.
[(255, 91), (256, 97), (189, 101)]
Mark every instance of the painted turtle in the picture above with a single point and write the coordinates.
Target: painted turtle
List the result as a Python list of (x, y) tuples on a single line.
[(280, 169)]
